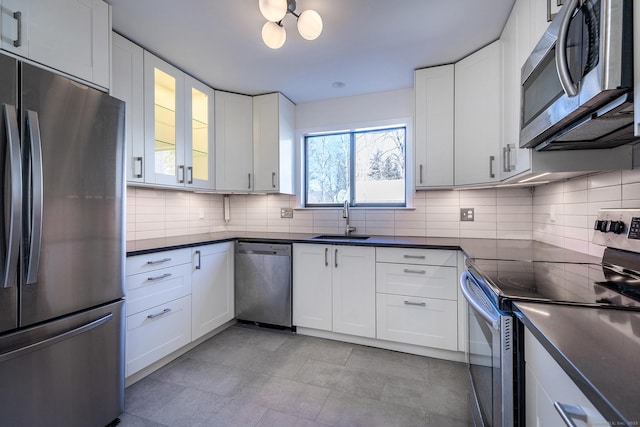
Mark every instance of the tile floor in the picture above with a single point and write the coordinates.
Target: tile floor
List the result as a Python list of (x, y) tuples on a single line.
[(254, 377)]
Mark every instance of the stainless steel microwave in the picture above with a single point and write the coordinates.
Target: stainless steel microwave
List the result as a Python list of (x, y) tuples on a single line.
[(577, 84)]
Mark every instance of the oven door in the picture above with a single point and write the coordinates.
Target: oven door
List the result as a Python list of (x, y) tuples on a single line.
[(490, 357)]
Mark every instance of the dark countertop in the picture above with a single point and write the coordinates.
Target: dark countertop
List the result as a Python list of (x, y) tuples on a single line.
[(526, 250), (598, 348)]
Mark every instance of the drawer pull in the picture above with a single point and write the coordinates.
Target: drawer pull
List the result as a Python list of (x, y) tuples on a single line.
[(421, 304), (568, 412), (153, 316), (160, 261), (406, 270), (415, 257), (164, 276)]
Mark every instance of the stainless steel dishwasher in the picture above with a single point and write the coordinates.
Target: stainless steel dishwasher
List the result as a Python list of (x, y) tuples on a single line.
[(263, 283)]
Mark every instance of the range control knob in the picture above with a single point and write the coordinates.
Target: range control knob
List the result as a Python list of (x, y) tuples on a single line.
[(601, 225), (616, 227)]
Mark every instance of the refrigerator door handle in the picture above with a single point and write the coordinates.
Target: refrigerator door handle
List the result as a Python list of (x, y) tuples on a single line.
[(15, 217), (55, 339), (36, 197)]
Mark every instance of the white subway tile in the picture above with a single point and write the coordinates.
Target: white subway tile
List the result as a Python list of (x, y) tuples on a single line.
[(607, 179)]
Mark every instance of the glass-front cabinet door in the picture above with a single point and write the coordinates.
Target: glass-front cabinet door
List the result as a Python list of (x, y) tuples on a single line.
[(199, 133), (164, 122)]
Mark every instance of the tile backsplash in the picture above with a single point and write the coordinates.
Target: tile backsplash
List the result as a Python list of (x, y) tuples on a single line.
[(499, 213), (560, 213)]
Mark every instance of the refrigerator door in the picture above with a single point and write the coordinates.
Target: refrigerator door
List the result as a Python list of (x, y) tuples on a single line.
[(9, 213), (69, 372), (73, 152)]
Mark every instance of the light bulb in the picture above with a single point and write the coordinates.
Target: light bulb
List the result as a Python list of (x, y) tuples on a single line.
[(310, 24), (273, 35), (273, 10)]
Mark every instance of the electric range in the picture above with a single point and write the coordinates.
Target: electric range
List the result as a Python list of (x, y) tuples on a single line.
[(491, 286)]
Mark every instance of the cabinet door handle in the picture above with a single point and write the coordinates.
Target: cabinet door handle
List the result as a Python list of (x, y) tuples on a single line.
[(165, 311), (509, 164), (406, 270), (273, 179), (335, 258), (326, 257), (505, 163), (160, 261), (420, 304), (163, 276), (181, 174), (568, 412), (491, 160), (249, 182), (18, 17), (421, 174), (415, 257), (137, 172), (189, 175), (199, 265)]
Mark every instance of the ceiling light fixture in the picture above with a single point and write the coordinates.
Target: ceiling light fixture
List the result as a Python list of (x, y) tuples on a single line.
[(273, 32)]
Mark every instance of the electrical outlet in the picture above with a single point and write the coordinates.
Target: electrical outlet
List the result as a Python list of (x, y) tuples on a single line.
[(201, 213), (466, 214), (286, 212)]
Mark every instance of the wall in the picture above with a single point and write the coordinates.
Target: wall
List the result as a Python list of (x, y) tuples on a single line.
[(564, 212), (500, 213)]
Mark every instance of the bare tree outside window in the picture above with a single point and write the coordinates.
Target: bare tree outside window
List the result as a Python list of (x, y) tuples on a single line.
[(364, 167)]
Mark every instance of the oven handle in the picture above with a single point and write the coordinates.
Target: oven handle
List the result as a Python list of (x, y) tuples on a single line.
[(570, 88), (492, 319)]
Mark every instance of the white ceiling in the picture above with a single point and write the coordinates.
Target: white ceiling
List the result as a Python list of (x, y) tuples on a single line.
[(370, 45)]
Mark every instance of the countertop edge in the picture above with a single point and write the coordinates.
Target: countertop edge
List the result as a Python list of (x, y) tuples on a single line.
[(602, 404)]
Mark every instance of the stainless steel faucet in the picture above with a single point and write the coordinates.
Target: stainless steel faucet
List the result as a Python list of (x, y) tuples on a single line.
[(345, 214)]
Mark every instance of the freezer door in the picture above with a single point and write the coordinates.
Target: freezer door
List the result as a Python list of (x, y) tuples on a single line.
[(65, 373), (73, 151), (9, 213)]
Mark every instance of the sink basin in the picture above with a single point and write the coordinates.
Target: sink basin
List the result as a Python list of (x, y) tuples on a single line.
[(339, 237)]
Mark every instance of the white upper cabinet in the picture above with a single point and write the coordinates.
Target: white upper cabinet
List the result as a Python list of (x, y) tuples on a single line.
[(164, 122), (72, 36), (233, 142), (434, 126), (478, 116), (199, 135), (178, 131), (273, 143), (127, 84), (515, 42)]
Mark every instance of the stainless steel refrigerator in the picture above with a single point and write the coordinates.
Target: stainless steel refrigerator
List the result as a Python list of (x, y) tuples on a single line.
[(62, 250)]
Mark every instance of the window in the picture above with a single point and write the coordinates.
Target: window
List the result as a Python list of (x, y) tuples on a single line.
[(365, 167)]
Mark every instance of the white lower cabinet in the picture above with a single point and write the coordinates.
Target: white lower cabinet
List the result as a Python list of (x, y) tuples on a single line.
[(157, 306), (354, 290), (417, 297), (546, 384), (334, 288), (156, 332), (212, 287), (421, 321)]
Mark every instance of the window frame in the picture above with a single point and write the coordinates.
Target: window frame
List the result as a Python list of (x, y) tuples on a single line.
[(352, 167)]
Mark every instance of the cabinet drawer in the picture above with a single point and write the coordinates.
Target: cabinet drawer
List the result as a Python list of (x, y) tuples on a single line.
[(420, 321), (146, 290), (417, 280), (157, 332), (155, 261), (418, 256)]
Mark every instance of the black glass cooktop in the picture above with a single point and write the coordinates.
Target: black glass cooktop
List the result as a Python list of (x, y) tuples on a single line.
[(567, 283)]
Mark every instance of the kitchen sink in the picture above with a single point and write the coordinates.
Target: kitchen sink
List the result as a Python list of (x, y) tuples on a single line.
[(339, 237)]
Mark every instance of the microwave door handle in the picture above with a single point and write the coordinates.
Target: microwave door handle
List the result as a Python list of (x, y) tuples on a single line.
[(14, 228), (570, 88), (493, 320)]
